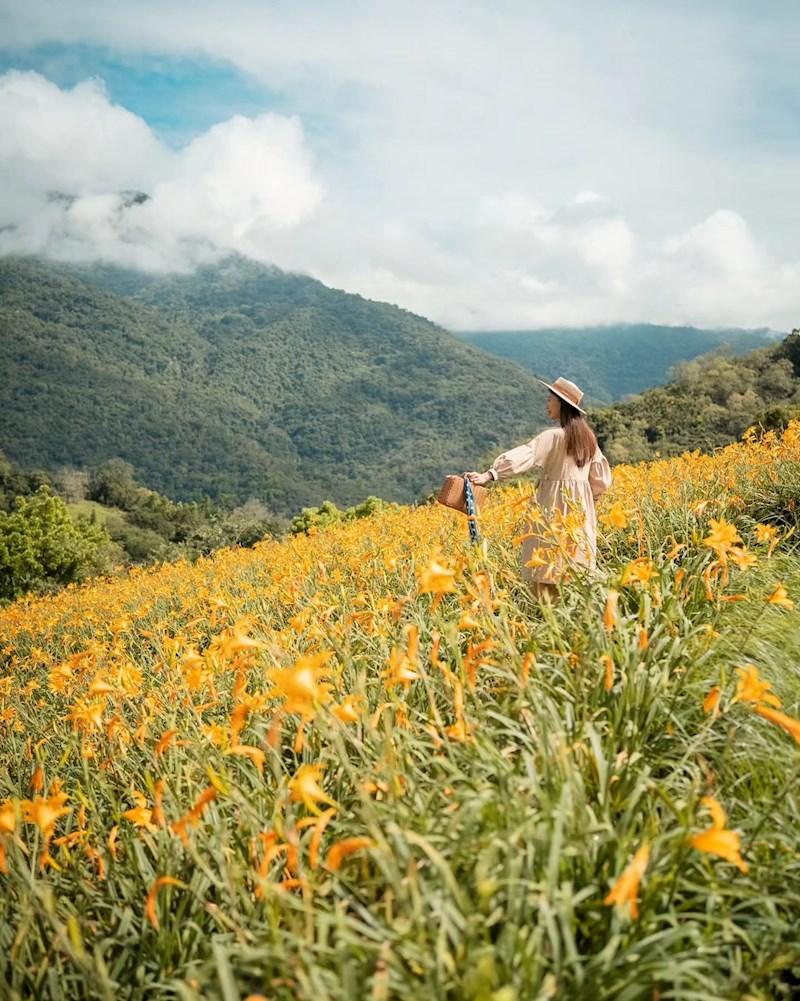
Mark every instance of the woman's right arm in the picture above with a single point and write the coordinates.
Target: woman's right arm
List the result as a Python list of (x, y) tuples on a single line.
[(513, 462)]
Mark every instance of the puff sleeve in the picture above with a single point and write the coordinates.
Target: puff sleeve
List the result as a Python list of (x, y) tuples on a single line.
[(519, 460), (599, 475)]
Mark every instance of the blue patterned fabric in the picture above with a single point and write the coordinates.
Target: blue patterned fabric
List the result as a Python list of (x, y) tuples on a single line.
[(472, 514)]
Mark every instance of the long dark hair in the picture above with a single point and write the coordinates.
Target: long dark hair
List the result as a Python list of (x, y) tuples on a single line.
[(580, 440)]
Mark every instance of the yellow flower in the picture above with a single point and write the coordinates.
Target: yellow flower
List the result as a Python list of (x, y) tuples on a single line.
[(780, 596), (750, 687), (608, 682), (789, 724), (717, 839), (348, 711), (765, 533), (722, 537), (142, 816), (436, 579), (301, 686), (305, 788), (8, 819), (626, 888), (150, 905), (45, 812), (640, 571), (616, 516), (610, 614), (255, 754), (742, 557), (342, 849), (711, 701)]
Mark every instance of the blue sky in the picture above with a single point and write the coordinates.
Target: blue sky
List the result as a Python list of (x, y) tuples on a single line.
[(179, 97), (504, 164)]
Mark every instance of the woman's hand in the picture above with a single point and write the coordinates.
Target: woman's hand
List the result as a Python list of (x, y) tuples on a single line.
[(479, 479)]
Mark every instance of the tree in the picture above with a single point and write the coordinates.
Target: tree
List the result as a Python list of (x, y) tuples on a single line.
[(112, 483), (40, 546), (790, 348), (71, 483)]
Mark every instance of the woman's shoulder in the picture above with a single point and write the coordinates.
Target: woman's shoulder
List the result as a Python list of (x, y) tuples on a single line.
[(551, 433)]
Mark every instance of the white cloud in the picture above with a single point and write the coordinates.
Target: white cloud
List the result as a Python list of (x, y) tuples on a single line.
[(70, 157), (75, 140), (487, 165), (580, 264)]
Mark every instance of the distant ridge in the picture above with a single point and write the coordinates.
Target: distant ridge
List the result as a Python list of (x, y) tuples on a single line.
[(611, 362)]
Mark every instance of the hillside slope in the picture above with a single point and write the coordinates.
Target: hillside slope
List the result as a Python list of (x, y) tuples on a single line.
[(363, 764), (609, 363), (246, 381), (711, 402)]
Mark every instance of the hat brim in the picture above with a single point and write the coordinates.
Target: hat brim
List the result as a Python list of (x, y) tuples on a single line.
[(561, 396)]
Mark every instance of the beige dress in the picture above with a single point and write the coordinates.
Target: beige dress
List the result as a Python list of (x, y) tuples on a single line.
[(561, 522)]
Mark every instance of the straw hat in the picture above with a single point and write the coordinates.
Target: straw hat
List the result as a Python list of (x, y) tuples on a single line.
[(566, 390)]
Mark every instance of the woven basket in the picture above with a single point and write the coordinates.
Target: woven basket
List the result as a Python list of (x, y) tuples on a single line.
[(452, 494)]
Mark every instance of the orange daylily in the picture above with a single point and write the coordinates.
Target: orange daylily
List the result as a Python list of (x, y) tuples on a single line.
[(45, 811), (626, 888), (780, 596), (340, 851), (255, 754), (150, 905), (142, 816), (436, 579), (722, 537), (640, 571), (305, 788), (770, 534), (400, 670), (348, 710), (164, 741), (789, 724), (610, 614), (711, 701), (8, 817), (608, 663), (616, 516), (193, 817), (742, 557), (301, 686), (717, 839), (751, 688)]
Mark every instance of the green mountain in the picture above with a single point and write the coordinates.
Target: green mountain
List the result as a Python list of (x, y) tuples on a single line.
[(711, 401), (240, 380), (609, 363)]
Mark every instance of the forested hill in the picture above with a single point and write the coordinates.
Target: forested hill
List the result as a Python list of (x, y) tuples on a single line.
[(608, 362), (711, 401), (242, 380)]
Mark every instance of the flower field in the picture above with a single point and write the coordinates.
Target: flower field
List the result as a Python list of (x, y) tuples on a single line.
[(365, 764)]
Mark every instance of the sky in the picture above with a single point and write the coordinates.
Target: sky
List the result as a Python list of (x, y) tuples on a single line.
[(489, 164)]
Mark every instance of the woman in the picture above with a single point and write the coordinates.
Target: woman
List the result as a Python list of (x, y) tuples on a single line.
[(562, 523)]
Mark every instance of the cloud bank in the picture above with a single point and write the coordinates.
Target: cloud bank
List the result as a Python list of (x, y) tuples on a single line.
[(381, 208), (83, 178)]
